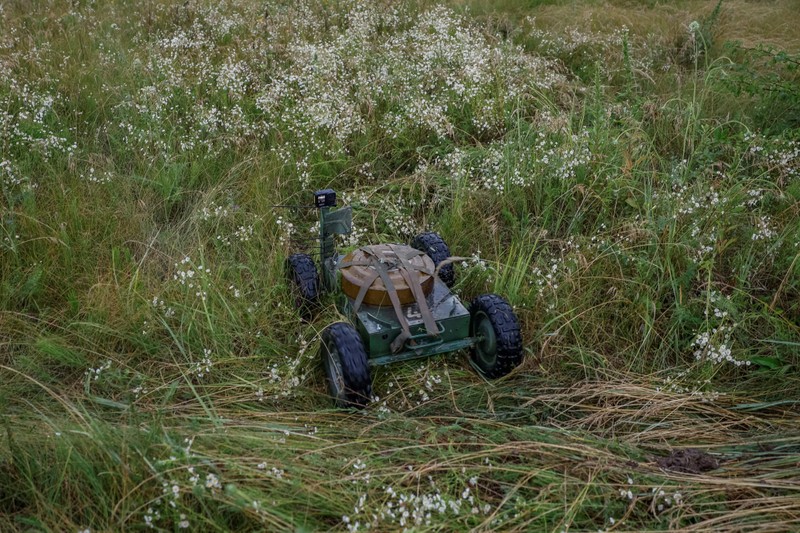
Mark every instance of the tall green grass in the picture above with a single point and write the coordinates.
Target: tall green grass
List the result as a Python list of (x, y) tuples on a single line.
[(632, 191)]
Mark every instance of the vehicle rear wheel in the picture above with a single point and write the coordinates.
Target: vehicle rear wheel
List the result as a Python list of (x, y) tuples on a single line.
[(498, 349), (346, 369), (302, 273), (432, 244)]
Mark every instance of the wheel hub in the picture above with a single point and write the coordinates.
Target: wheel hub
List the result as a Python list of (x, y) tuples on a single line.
[(334, 375), (486, 347)]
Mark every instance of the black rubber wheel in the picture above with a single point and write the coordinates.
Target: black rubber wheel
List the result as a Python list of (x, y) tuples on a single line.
[(499, 347), (303, 275), (345, 362), (432, 244)]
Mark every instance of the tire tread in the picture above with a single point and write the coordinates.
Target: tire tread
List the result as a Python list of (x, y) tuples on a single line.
[(303, 274), (353, 356), (432, 244), (507, 332)]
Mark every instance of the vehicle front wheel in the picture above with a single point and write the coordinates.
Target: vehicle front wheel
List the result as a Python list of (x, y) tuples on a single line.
[(346, 369), (498, 347)]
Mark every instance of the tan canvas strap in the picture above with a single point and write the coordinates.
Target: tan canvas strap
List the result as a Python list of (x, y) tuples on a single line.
[(367, 282), (408, 272), (377, 261), (362, 292), (383, 272)]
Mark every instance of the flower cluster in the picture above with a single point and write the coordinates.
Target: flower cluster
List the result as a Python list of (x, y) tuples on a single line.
[(286, 230), (187, 276), (159, 304), (94, 373), (763, 229), (354, 238), (151, 517), (551, 152), (780, 158), (243, 233), (397, 216), (714, 344), (92, 176), (202, 368), (214, 211), (679, 384), (10, 178), (163, 511), (662, 500), (548, 275), (193, 85), (595, 47), (28, 118), (409, 510), (475, 261), (754, 197), (318, 80), (286, 375), (212, 482), (689, 201), (421, 70)]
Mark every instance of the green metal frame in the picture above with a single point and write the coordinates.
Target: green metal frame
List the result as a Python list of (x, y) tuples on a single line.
[(408, 355), (379, 327), (331, 223)]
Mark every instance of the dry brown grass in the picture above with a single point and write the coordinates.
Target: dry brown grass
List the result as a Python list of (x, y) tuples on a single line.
[(772, 22)]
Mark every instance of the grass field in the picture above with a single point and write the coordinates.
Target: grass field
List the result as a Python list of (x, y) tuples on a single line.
[(626, 173)]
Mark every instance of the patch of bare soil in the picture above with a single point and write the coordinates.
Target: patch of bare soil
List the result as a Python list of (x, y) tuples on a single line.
[(690, 461)]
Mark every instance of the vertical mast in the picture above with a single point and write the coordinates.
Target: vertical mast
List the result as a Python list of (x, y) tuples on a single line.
[(325, 199)]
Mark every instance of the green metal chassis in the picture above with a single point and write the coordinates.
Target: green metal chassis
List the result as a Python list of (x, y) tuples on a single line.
[(379, 326)]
